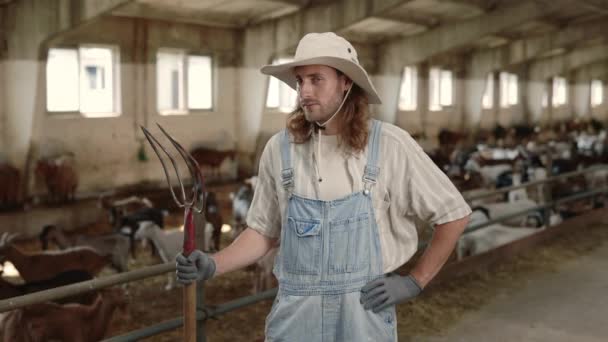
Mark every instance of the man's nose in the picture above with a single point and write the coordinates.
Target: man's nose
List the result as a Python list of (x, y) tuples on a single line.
[(305, 90)]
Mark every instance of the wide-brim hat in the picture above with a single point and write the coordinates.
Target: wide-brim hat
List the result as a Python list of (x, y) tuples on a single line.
[(330, 50)]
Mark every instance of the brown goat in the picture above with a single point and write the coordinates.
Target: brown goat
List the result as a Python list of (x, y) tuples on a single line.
[(10, 180), (211, 158), (45, 265), (68, 323), (60, 178), (9, 290), (115, 245)]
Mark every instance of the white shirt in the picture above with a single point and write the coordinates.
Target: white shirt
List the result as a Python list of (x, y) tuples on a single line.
[(410, 189)]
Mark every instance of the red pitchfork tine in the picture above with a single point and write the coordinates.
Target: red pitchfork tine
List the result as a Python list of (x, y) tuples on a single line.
[(195, 203)]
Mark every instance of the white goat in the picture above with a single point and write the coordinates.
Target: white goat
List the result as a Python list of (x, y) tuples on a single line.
[(489, 237), (168, 243)]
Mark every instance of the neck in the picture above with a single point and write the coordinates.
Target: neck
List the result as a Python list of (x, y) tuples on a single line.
[(330, 129)]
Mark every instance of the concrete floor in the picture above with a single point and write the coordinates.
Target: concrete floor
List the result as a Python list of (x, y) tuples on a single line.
[(570, 304)]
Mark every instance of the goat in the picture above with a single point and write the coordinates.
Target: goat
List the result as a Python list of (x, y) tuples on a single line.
[(211, 158), (489, 237), (214, 217), (9, 290), (167, 242), (121, 207), (241, 201), (45, 265), (69, 322), (10, 185), (110, 244), (129, 224), (496, 210), (60, 178)]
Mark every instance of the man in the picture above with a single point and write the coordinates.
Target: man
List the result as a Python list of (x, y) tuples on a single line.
[(340, 193)]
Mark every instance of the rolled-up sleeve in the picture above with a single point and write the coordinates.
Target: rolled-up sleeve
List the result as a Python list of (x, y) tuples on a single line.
[(427, 192), (264, 214)]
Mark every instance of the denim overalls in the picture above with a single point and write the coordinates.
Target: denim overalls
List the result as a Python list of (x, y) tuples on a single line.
[(329, 251)]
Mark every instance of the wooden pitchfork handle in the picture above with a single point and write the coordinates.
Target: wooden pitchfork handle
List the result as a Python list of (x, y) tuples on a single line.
[(189, 292)]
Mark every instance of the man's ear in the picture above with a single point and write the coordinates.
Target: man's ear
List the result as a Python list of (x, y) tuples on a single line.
[(348, 84)]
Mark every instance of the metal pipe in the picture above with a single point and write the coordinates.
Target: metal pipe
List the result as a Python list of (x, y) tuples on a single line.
[(85, 286), (152, 330), (537, 182), (211, 312)]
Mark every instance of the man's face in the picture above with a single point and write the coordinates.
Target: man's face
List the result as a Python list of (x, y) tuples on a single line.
[(320, 90)]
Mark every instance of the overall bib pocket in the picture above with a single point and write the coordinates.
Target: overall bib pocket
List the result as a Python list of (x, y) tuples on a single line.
[(302, 252), (349, 244)]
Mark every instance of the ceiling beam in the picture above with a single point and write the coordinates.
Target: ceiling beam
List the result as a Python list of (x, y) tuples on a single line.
[(484, 5), (524, 50), (415, 49), (285, 32), (82, 12), (593, 70), (304, 3), (549, 67), (595, 5), (427, 21)]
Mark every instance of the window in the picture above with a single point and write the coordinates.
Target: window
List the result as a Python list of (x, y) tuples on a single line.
[(199, 82), (597, 93), (440, 88), (280, 95), (170, 82), (409, 91), (508, 90), (84, 80), (560, 89), (62, 81), (183, 82), (487, 101), (445, 97)]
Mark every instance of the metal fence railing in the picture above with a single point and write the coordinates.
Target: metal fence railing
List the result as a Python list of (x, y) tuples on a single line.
[(213, 312)]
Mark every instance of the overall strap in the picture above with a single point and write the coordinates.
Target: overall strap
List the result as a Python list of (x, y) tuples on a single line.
[(373, 146), (286, 169)]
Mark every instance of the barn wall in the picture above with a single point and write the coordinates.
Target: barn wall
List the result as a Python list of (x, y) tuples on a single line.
[(106, 149)]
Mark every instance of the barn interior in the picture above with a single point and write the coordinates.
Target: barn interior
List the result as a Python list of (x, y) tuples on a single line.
[(498, 93)]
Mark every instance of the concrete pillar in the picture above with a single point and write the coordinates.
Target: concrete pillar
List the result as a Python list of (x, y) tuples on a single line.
[(460, 96), (549, 115), (258, 45), (496, 107), (388, 87), (523, 94), (28, 24), (534, 98), (580, 93), (423, 97), (474, 88), (3, 132)]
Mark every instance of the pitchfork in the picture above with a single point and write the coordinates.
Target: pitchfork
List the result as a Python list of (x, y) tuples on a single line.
[(195, 203)]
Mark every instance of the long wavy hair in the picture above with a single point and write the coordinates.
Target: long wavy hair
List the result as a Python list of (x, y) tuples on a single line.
[(352, 121)]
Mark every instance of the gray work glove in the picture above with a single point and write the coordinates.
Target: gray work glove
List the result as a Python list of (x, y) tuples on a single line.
[(197, 266), (383, 292)]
